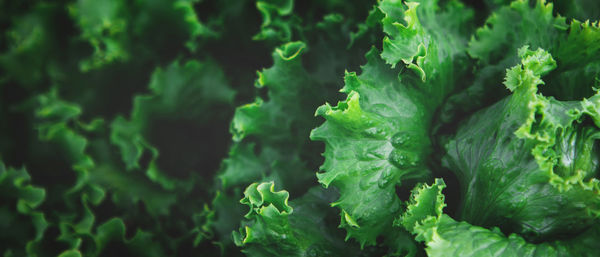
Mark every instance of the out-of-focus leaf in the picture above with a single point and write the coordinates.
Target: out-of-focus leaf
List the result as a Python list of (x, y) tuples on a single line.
[(104, 26), (22, 225), (578, 9), (32, 48), (278, 21), (118, 30), (191, 93)]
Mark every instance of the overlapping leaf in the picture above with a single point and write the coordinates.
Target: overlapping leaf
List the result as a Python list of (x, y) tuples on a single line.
[(276, 228), (185, 95), (529, 163), (88, 184), (444, 236), (69, 65), (104, 25), (379, 137), (518, 24), (278, 23), (21, 222), (116, 30), (279, 126), (270, 135), (58, 124), (31, 52)]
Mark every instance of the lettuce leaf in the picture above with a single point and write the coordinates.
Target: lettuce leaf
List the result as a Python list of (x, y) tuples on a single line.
[(275, 227), (578, 9), (117, 31), (185, 95), (104, 25), (378, 138), (278, 21), (269, 135), (444, 236), (22, 224), (529, 163), (572, 44), (31, 52)]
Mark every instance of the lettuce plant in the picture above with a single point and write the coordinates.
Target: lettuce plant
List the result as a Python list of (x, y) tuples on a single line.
[(300, 128), (526, 163)]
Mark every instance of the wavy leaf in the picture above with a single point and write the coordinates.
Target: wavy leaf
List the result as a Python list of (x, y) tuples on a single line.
[(444, 236), (378, 138), (528, 163), (183, 97), (509, 28), (22, 224), (274, 228)]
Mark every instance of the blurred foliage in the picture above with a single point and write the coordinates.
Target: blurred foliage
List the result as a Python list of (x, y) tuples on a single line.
[(115, 116)]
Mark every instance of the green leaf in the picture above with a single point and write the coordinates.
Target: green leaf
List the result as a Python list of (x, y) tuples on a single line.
[(104, 25), (128, 189), (159, 24), (379, 137), (278, 22), (22, 224), (274, 228), (499, 36), (195, 28), (241, 166), (370, 24), (528, 163), (244, 164), (415, 33), (118, 30), (53, 118), (279, 125), (444, 236), (31, 51), (191, 93), (360, 159), (509, 28), (285, 81), (270, 135), (228, 213), (16, 184), (112, 234), (425, 201), (578, 9), (70, 253), (270, 211)]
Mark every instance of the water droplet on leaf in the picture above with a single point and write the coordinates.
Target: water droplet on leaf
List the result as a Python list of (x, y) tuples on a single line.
[(402, 159), (400, 139)]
